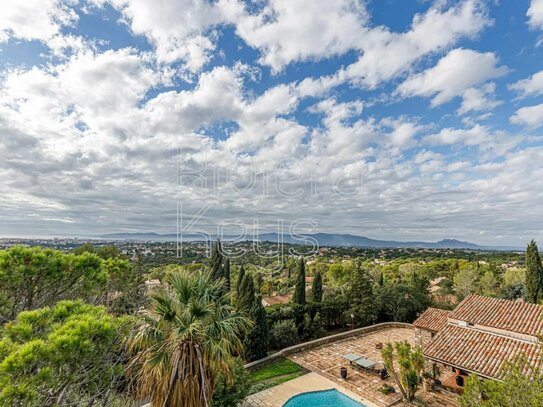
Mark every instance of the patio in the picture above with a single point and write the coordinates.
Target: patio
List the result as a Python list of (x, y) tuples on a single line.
[(326, 360)]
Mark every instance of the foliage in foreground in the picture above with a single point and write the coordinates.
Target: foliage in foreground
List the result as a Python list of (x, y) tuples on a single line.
[(410, 367), (230, 392), (189, 334), (69, 354), (522, 386)]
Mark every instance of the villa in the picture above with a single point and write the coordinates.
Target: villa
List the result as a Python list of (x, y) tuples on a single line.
[(480, 335)]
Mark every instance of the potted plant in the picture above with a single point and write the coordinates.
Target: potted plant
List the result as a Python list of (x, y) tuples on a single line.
[(436, 373), (343, 373)]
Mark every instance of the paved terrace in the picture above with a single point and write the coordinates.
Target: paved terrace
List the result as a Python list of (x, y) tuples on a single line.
[(326, 360)]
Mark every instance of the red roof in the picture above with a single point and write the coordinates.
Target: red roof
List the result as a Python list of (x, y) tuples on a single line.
[(479, 352), (433, 319), (514, 316)]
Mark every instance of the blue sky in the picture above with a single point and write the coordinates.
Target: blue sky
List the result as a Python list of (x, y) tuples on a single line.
[(390, 119)]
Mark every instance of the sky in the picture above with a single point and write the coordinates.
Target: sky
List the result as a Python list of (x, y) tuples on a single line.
[(391, 119)]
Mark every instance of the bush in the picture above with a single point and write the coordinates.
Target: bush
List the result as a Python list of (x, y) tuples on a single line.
[(231, 394), (284, 334)]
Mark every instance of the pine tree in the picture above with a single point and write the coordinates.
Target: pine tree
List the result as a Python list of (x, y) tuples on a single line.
[(246, 294), (241, 274), (299, 291), (534, 274), (226, 274), (317, 287), (363, 308), (216, 261), (257, 341)]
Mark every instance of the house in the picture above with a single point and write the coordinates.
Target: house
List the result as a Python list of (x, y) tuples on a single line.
[(276, 299), (429, 324), (481, 333)]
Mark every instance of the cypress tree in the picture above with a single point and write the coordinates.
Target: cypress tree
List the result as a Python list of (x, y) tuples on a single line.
[(241, 274), (381, 279), (226, 274), (363, 306), (257, 341), (317, 287), (299, 291), (258, 282), (216, 261), (534, 274), (246, 294)]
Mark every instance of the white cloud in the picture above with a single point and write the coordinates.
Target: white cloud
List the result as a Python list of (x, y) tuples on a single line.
[(530, 116), (287, 31), (472, 137), (455, 73), (34, 19), (532, 86), (386, 55), (177, 28), (535, 14), (479, 99)]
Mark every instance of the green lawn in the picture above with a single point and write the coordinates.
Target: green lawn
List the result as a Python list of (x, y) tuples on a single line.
[(274, 373)]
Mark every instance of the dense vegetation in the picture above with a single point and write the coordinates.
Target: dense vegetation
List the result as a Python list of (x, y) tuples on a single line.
[(84, 328)]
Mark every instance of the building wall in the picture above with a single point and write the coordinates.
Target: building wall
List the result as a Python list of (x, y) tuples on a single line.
[(423, 336)]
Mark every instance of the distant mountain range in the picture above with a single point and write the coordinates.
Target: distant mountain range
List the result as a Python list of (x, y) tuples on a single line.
[(323, 239)]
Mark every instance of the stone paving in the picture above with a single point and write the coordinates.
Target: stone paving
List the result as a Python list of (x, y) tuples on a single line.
[(326, 361)]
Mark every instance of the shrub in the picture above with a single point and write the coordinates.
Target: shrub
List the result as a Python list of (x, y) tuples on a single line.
[(284, 334), (231, 394)]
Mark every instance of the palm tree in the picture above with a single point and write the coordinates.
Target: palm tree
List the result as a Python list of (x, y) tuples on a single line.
[(188, 335)]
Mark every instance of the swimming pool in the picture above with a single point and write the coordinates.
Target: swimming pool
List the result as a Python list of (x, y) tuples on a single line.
[(324, 398)]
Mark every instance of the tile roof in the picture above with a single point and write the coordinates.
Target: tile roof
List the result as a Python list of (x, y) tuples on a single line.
[(479, 352), (276, 299), (433, 319), (514, 316)]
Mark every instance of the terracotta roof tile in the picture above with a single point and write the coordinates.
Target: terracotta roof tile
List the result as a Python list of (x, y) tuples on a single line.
[(479, 352), (514, 316), (433, 319)]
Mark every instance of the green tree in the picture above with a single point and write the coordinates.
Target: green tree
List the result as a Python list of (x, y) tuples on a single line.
[(410, 367), (363, 310), (246, 294), (284, 334), (299, 290), (257, 340), (124, 292), (226, 274), (69, 354), (230, 392), (188, 335), (534, 274), (241, 274), (316, 289), (521, 386), (217, 261), (466, 282), (32, 278)]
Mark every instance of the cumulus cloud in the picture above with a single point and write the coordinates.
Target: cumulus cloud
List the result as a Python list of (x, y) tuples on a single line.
[(34, 19), (530, 116), (453, 75), (535, 14), (532, 86), (479, 99)]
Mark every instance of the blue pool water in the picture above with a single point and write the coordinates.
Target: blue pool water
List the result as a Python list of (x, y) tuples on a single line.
[(326, 398)]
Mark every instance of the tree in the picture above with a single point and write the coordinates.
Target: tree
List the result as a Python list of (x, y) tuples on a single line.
[(69, 354), (229, 393), (241, 274), (257, 340), (188, 335), (284, 334), (246, 294), (316, 289), (32, 278), (521, 386), (466, 282), (362, 310), (216, 261), (299, 290), (124, 286), (410, 363), (534, 274), (226, 274)]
